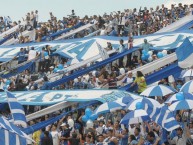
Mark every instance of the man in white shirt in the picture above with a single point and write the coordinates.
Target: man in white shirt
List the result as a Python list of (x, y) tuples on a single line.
[(129, 79), (121, 24), (32, 54), (180, 139), (36, 19)]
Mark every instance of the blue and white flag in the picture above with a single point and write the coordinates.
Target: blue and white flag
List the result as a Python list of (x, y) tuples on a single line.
[(11, 134), (163, 117), (104, 55), (17, 110), (185, 54), (102, 52), (9, 138)]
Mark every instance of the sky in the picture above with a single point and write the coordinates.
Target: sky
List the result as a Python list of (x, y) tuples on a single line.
[(17, 9)]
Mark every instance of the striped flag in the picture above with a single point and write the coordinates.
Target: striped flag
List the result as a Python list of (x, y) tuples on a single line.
[(104, 55), (185, 54), (11, 134), (17, 110), (163, 117)]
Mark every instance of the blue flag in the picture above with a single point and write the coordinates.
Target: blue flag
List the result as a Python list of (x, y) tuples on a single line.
[(185, 54), (17, 110)]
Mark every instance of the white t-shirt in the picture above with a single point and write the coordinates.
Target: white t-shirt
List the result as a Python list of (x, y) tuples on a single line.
[(32, 54), (55, 137), (102, 32), (29, 141), (129, 80)]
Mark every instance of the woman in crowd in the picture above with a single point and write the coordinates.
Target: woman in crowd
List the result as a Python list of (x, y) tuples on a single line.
[(140, 81)]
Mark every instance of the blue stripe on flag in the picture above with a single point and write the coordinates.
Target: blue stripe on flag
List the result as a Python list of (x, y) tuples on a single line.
[(185, 50), (18, 117), (2, 137)]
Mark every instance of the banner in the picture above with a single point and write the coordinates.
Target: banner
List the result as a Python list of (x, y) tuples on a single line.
[(185, 54), (86, 48), (176, 26), (30, 34), (104, 55), (16, 71), (52, 97)]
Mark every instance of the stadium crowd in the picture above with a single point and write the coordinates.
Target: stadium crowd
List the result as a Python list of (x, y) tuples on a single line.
[(126, 23), (106, 129)]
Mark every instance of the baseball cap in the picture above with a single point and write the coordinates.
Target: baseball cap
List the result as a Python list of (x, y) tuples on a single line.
[(63, 124)]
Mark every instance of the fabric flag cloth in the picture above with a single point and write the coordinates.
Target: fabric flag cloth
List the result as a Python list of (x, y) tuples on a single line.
[(181, 105), (159, 90), (166, 119), (185, 54), (188, 73), (174, 97), (133, 117), (126, 99), (104, 55), (144, 101), (109, 107), (11, 134), (102, 51), (187, 87), (157, 112), (128, 120), (163, 117), (17, 110)]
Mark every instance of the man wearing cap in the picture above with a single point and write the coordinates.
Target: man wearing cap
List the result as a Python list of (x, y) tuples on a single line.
[(65, 133)]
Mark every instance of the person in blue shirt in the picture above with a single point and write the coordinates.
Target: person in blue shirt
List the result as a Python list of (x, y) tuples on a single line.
[(100, 139), (132, 140), (43, 135), (45, 85), (179, 119), (79, 84), (113, 32), (65, 135), (137, 133), (146, 46), (123, 137), (120, 50), (152, 140), (21, 56), (111, 140)]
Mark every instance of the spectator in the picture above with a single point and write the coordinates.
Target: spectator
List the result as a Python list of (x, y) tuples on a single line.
[(21, 56), (146, 46), (65, 135), (111, 139), (46, 139), (132, 140), (74, 140), (100, 139), (151, 139), (41, 61), (120, 50), (55, 135), (180, 139), (140, 81)]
